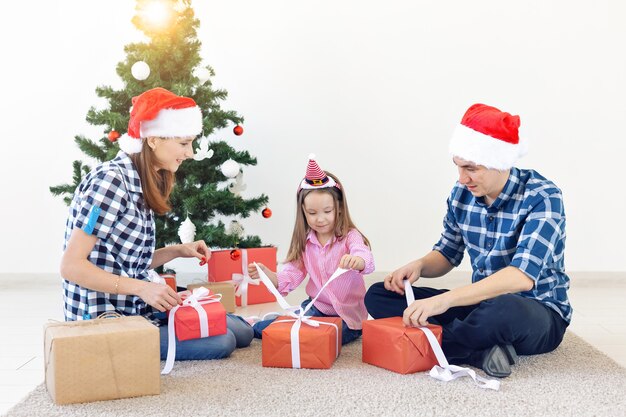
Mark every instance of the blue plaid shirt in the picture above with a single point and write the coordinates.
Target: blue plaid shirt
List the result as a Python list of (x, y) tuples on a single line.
[(524, 228), (109, 204)]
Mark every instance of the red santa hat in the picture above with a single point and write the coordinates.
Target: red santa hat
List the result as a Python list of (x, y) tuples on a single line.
[(488, 137), (315, 178), (161, 113)]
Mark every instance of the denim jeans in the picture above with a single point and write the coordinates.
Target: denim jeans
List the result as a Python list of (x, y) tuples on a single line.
[(238, 334), (347, 334), (470, 331)]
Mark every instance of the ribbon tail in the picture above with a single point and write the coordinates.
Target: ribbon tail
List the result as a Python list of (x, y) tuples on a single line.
[(444, 371), (171, 343)]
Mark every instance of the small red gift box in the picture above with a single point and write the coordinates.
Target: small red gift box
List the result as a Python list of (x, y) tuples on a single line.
[(318, 346), (200, 315), (221, 267), (387, 343), (170, 280), (187, 322)]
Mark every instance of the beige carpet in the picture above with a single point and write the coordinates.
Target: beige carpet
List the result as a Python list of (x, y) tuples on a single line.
[(575, 380)]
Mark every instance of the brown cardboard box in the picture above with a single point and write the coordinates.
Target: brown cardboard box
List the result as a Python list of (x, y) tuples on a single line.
[(101, 359), (227, 289)]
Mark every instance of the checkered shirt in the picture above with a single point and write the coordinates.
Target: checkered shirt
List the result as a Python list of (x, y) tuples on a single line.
[(109, 204), (524, 228)]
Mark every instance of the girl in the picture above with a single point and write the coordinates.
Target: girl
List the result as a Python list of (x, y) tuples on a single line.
[(110, 232), (324, 238)]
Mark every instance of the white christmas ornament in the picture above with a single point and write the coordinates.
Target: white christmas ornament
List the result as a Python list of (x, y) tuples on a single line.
[(235, 229), (187, 231), (230, 168), (140, 70), (237, 186), (203, 151), (202, 74)]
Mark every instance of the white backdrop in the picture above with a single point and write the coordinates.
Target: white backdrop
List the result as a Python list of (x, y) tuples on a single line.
[(373, 88)]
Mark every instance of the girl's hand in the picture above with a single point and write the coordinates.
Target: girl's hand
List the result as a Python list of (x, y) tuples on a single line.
[(197, 249), (159, 296), (254, 274), (352, 262)]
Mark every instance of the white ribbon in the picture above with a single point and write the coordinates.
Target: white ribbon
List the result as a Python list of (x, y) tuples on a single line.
[(300, 317), (243, 280), (195, 299), (444, 371)]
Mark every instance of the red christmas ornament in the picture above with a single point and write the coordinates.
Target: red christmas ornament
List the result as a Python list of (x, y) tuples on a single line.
[(267, 213), (235, 254), (238, 130), (114, 135)]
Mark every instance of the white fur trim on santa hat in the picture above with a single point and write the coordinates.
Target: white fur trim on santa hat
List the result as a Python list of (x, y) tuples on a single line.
[(485, 150), (130, 145), (174, 123)]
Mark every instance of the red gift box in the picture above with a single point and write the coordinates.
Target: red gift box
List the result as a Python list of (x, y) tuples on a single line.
[(170, 280), (221, 267), (200, 315), (387, 343), (318, 346), (187, 320)]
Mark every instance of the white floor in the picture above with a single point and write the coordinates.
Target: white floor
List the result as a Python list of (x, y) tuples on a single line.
[(28, 301)]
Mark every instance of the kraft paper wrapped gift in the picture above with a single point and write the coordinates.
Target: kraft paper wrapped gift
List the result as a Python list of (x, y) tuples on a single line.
[(221, 267), (318, 346), (227, 289), (387, 343), (101, 359)]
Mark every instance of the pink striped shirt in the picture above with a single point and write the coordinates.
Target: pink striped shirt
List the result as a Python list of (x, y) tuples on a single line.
[(344, 296)]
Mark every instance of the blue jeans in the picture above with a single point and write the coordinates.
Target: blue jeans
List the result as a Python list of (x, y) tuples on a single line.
[(347, 334), (470, 331), (238, 334)]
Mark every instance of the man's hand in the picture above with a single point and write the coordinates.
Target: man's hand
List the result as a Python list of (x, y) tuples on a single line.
[(395, 281), (352, 262), (419, 311)]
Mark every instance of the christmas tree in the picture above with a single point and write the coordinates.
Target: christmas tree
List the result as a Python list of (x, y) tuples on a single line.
[(171, 59)]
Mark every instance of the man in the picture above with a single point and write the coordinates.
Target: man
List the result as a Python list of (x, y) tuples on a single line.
[(512, 223)]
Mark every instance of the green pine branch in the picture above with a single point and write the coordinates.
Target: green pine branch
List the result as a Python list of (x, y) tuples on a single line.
[(172, 55)]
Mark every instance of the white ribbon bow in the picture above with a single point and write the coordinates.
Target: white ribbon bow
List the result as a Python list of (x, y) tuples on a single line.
[(195, 299), (300, 317), (444, 371)]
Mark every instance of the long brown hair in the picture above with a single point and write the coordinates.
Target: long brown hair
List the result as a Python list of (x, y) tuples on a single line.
[(156, 184), (343, 222)]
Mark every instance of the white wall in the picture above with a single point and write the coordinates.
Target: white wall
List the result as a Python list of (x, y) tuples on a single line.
[(373, 88)]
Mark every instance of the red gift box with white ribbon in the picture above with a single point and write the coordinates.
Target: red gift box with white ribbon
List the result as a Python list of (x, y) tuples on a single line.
[(222, 267), (200, 315), (297, 340)]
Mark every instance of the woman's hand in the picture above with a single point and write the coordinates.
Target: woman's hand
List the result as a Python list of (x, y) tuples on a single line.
[(197, 249), (352, 262), (159, 296)]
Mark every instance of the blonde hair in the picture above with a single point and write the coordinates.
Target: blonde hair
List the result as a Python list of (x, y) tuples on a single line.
[(343, 222), (156, 185)]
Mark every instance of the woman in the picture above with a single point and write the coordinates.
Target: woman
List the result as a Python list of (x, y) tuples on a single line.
[(110, 232)]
